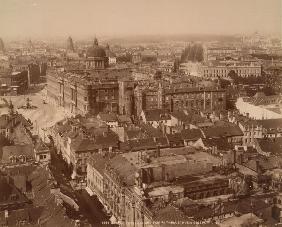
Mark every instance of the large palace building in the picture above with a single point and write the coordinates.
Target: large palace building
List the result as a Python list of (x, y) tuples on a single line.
[(86, 92), (93, 89), (98, 88)]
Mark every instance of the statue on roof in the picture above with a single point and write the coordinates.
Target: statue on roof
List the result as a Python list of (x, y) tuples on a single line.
[(95, 43)]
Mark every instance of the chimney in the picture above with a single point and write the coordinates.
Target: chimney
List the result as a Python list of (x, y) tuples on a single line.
[(6, 214), (163, 172), (257, 166), (158, 152), (241, 158)]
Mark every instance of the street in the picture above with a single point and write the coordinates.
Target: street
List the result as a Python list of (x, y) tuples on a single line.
[(89, 206)]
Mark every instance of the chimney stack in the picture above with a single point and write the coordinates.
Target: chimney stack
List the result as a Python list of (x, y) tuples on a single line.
[(158, 152)]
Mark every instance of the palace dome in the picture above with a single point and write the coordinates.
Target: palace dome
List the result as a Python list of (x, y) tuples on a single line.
[(96, 51)]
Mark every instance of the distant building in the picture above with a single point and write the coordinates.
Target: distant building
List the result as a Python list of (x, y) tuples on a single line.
[(215, 53), (70, 45), (13, 83), (95, 57), (174, 99), (219, 70), (2, 46), (112, 59)]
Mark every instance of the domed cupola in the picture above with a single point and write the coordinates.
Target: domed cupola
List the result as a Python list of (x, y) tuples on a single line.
[(95, 51), (96, 57)]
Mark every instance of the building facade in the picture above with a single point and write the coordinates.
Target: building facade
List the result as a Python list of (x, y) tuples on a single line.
[(223, 70)]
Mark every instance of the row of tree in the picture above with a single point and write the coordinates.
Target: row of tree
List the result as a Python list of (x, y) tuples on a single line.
[(194, 52)]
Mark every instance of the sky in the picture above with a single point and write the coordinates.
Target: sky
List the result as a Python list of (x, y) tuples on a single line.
[(79, 18)]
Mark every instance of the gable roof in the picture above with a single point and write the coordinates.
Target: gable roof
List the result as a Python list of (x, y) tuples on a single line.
[(124, 119), (16, 150), (219, 143), (191, 134), (273, 146), (222, 131), (108, 117), (98, 162), (124, 169), (181, 116), (156, 115), (270, 123)]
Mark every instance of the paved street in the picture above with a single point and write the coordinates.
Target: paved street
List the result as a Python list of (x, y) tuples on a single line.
[(43, 116), (89, 206)]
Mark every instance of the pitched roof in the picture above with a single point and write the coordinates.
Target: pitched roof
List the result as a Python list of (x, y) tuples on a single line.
[(220, 143), (8, 190), (124, 169), (108, 117), (176, 137), (270, 123), (124, 119), (156, 115), (98, 162), (171, 214), (273, 146), (181, 116), (142, 144), (17, 150), (191, 134), (150, 131), (222, 131)]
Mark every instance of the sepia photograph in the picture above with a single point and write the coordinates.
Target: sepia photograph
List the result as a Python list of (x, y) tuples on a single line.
[(140, 113)]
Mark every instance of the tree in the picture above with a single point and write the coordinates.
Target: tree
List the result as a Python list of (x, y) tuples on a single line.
[(193, 53), (11, 108), (176, 65), (224, 83), (158, 75)]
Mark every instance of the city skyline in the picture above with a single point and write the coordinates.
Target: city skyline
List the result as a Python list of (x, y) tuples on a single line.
[(41, 18)]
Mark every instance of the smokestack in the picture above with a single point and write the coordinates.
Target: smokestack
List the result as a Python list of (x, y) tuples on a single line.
[(163, 172), (158, 153), (257, 166)]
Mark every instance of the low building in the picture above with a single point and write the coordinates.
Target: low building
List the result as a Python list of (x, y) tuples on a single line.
[(232, 132), (95, 175), (41, 151), (17, 154), (137, 185)]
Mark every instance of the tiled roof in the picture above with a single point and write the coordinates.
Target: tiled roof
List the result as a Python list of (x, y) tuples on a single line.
[(191, 134), (124, 119), (98, 162), (273, 146), (124, 169), (84, 144), (156, 115), (150, 131), (270, 123), (8, 189), (17, 150), (220, 143), (142, 144), (181, 116), (170, 214), (222, 131), (108, 117), (176, 137)]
